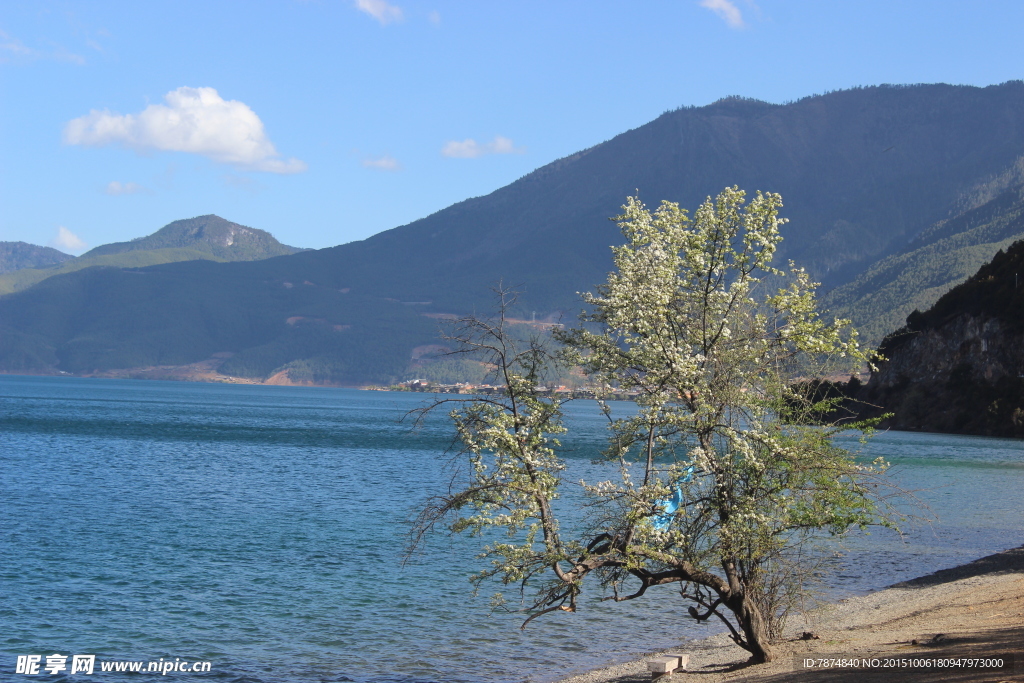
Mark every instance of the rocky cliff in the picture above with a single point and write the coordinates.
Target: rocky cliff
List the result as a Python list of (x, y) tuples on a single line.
[(959, 367)]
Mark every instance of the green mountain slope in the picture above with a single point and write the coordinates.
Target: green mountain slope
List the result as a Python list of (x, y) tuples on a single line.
[(222, 239), (23, 279), (102, 318), (206, 237), (879, 300), (864, 173), (18, 255)]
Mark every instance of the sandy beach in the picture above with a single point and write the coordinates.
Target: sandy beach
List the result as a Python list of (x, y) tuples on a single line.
[(975, 610)]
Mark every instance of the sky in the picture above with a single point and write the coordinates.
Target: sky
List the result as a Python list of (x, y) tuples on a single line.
[(327, 121)]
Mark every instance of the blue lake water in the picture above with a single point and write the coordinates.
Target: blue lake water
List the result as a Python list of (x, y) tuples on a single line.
[(262, 529)]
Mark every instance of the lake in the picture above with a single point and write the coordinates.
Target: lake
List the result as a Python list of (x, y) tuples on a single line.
[(262, 529)]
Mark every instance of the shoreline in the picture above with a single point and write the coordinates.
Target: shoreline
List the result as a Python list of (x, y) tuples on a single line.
[(971, 610)]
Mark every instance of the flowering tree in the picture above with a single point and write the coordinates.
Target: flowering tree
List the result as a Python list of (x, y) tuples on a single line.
[(718, 479)]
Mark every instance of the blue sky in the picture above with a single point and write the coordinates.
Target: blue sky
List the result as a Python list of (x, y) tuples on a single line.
[(326, 121)]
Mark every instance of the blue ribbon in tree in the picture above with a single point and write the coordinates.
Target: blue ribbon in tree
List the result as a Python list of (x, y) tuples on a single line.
[(668, 506)]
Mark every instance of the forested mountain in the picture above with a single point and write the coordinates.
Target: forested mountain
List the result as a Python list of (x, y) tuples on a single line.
[(208, 238), (222, 239), (18, 255), (945, 254), (866, 174), (959, 366)]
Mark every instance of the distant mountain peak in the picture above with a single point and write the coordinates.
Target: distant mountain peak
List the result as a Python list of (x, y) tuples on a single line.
[(208, 233), (19, 255), (732, 100), (206, 238)]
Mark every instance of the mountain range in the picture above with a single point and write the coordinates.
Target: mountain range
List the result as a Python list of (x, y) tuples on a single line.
[(894, 194), (208, 238), (20, 255), (990, 219)]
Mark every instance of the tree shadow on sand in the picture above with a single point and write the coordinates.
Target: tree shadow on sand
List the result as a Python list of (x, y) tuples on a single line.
[(1006, 643)]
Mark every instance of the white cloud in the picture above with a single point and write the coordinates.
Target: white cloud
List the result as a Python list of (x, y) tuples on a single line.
[(67, 241), (115, 188), (380, 10), (13, 49), (195, 120), (435, 17), (727, 10), (471, 149), (384, 163), (13, 46)]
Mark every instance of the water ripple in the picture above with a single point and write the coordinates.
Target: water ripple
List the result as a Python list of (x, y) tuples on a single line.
[(262, 529)]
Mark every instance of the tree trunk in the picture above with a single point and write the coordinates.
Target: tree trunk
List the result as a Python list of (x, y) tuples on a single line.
[(755, 630)]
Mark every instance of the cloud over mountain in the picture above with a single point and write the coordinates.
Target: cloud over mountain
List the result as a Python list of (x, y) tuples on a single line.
[(193, 120), (471, 149), (65, 240)]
